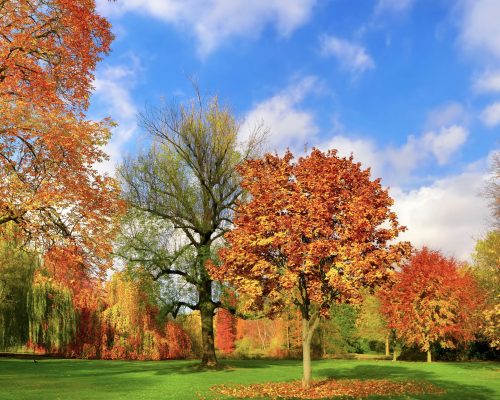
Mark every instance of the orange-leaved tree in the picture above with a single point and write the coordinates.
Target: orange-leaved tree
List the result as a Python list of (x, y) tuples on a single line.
[(314, 232), (48, 151), (49, 185), (49, 50), (432, 301)]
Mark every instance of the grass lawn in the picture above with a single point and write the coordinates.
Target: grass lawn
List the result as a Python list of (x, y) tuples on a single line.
[(81, 379)]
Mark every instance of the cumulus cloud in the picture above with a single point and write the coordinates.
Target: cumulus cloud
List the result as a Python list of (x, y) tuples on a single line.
[(289, 125), (488, 81), (480, 27), (448, 215), (444, 135), (439, 145), (445, 143), (109, 87), (215, 21), (397, 163), (350, 55), (491, 115), (112, 96)]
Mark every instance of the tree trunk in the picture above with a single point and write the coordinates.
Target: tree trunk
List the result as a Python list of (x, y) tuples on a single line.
[(207, 307), (429, 356), (387, 350), (306, 355), (394, 354), (308, 329), (288, 335), (207, 337)]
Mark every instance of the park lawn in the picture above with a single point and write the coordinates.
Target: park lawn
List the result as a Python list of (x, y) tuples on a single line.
[(95, 379)]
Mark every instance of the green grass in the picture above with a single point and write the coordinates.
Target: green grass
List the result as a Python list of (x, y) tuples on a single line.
[(81, 379)]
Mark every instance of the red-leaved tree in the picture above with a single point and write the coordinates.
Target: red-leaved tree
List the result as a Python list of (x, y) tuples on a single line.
[(225, 331), (432, 301)]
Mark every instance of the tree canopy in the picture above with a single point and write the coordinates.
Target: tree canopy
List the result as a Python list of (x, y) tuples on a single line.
[(49, 185), (312, 233), (433, 300), (186, 187)]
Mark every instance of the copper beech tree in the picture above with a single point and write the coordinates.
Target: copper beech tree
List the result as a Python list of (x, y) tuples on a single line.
[(48, 151), (312, 233), (432, 301)]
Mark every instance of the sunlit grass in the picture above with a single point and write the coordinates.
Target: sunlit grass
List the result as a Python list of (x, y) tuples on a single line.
[(82, 379)]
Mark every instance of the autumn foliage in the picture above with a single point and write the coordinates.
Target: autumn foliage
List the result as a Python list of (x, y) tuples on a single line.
[(49, 50), (225, 331), (432, 301), (76, 315), (48, 151), (314, 232), (328, 388)]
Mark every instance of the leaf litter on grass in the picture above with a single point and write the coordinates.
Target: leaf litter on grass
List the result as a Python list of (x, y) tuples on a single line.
[(327, 388)]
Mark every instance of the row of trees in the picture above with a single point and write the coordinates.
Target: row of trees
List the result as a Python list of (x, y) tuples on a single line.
[(48, 307), (124, 318), (206, 221)]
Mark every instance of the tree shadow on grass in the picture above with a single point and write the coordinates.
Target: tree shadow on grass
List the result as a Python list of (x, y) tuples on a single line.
[(454, 390), (92, 368), (228, 366), (102, 368), (262, 363), (478, 365)]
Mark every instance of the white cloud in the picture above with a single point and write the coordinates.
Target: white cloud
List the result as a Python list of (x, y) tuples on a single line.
[(450, 113), (109, 87), (394, 6), (480, 26), (488, 81), (351, 56), (215, 21), (491, 115), (402, 160), (448, 215), (445, 143), (112, 95), (440, 145), (397, 163), (293, 127), (289, 126)]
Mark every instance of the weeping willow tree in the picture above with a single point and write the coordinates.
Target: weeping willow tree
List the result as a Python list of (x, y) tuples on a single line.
[(33, 306), (52, 317), (16, 276)]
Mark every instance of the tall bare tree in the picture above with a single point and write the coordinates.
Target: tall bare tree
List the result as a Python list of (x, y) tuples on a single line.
[(182, 192)]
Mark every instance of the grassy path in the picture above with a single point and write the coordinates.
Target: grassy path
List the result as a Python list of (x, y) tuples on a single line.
[(82, 379)]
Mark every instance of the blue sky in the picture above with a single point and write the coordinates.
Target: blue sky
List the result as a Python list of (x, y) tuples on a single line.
[(410, 87)]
